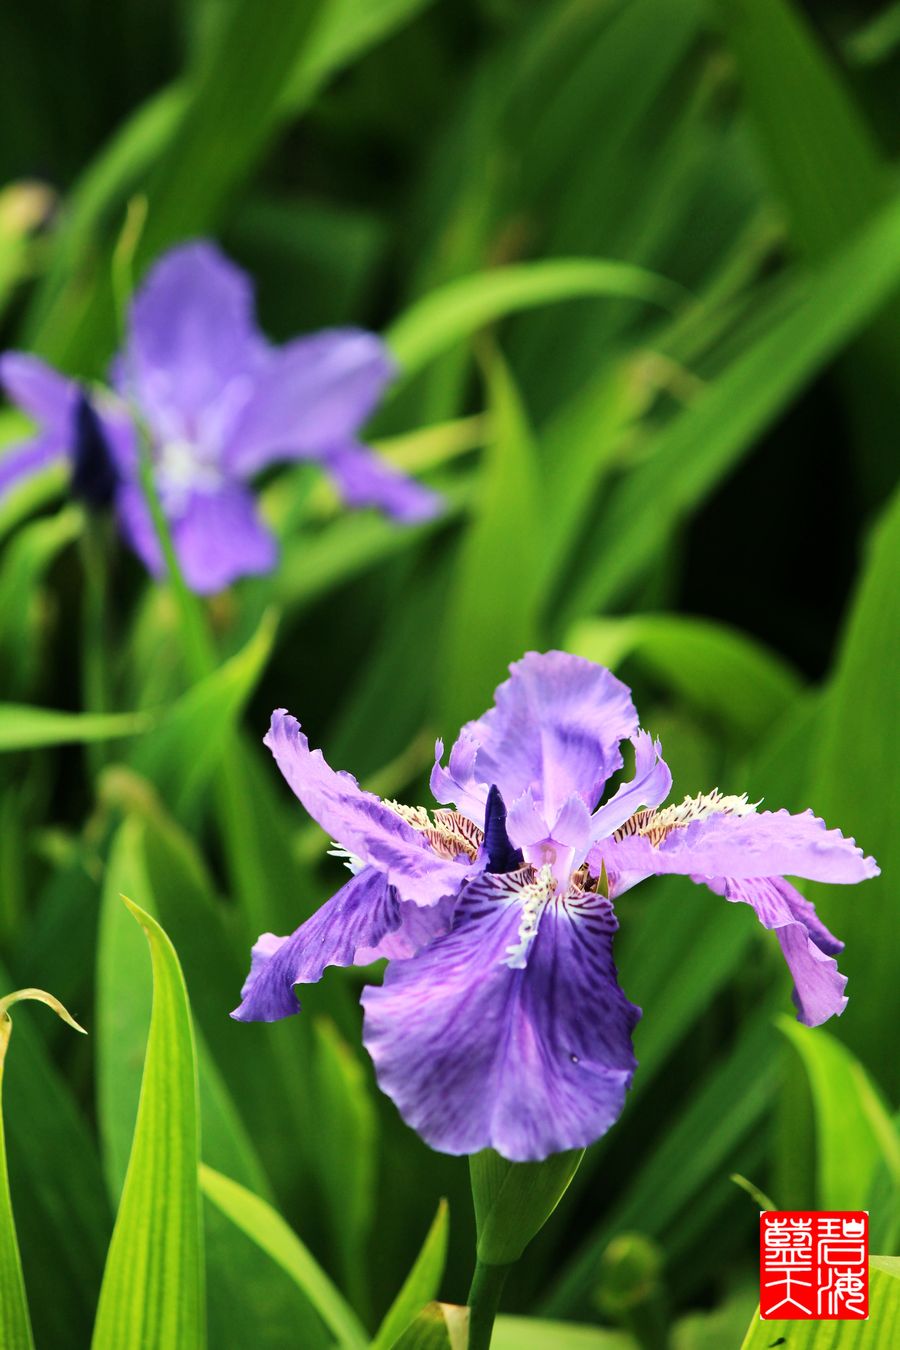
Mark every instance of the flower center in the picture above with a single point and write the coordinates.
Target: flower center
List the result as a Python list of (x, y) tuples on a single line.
[(182, 468)]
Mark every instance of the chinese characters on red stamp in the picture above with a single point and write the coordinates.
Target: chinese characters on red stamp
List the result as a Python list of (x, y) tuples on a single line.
[(814, 1265)]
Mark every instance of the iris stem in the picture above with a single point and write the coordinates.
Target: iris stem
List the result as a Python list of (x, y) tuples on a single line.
[(484, 1300), (94, 646)]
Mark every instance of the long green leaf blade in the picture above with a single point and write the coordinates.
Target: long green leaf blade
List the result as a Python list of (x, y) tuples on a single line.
[(266, 1227), (153, 1285), (23, 727), (421, 1284), (437, 322)]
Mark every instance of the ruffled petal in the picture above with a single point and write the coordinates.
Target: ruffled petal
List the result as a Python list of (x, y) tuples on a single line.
[(356, 919), (651, 784), (360, 821), (808, 947), (363, 480), (309, 396), (555, 728), (760, 843), (39, 390), (530, 1059), (192, 336)]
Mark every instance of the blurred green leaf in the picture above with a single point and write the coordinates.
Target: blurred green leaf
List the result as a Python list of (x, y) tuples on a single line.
[(692, 453), (494, 593), (855, 784), (267, 1228), (25, 561), (455, 311), (152, 1292), (421, 1285), (854, 1130), (882, 1328), (817, 146), (346, 1154), (726, 676), (26, 728), (182, 754)]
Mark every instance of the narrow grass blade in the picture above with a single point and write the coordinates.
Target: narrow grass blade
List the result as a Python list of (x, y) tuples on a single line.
[(421, 1284), (700, 445), (266, 1227), (495, 592), (437, 322), (23, 727), (153, 1285)]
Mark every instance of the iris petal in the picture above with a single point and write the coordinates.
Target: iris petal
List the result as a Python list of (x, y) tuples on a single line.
[(528, 1060)]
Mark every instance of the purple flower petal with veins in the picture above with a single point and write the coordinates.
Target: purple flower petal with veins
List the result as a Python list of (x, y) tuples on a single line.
[(500, 1023)]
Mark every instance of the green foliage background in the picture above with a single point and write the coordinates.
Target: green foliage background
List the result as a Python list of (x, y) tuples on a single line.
[(639, 261)]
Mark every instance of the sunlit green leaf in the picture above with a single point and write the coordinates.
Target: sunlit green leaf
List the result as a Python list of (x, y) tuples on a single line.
[(421, 1284), (854, 1129), (153, 1285), (881, 1329), (267, 1228)]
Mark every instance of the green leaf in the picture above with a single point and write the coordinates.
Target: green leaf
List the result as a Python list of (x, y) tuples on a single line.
[(184, 751), (346, 1154), (23, 727), (269, 1231), (421, 1284), (513, 1201), (15, 1321), (820, 152), (695, 450), (153, 1285), (855, 784), (494, 594), (880, 1330), (455, 311), (854, 1129), (439, 1326), (123, 1006), (25, 561), (732, 679)]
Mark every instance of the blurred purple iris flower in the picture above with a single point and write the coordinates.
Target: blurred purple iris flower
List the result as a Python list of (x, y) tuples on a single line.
[(220, 403), (500, 1022)]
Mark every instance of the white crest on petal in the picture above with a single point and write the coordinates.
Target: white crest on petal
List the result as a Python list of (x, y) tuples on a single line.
[(533, 897)]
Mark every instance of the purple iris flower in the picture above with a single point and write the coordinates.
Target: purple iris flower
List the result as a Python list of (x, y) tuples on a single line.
[(500, 1022), (220, 403)]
